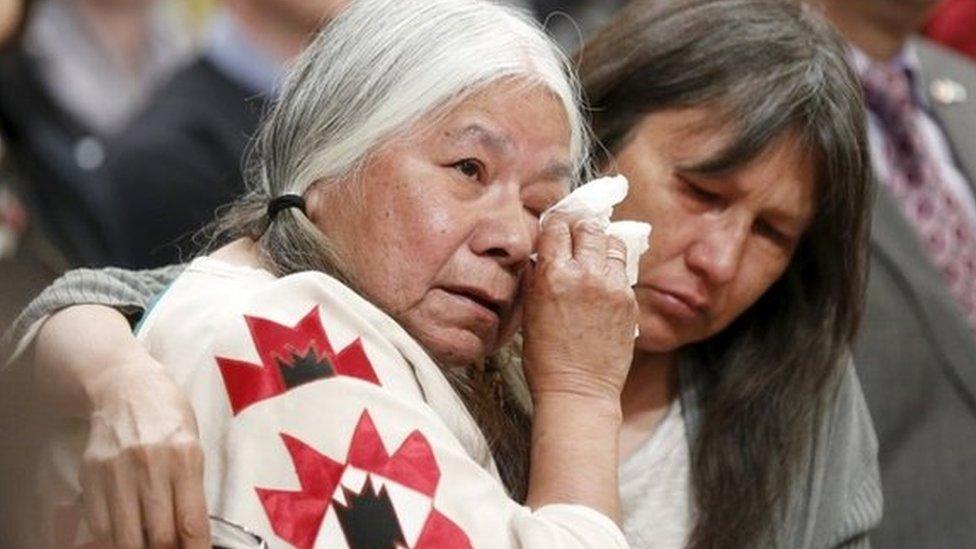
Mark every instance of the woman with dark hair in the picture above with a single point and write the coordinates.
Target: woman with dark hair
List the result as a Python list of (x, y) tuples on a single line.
[(740, 128)]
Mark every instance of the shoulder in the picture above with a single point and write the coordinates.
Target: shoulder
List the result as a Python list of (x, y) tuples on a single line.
[(304, 326), (843, 486)]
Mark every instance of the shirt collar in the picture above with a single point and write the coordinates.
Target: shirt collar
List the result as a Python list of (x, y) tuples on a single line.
[(906, 61), (242, 59)]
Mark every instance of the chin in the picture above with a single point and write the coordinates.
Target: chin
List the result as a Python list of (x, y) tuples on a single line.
[(461, 348), (657, 336)]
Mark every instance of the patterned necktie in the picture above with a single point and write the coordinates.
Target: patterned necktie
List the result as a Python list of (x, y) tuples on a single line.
[(947, 234)]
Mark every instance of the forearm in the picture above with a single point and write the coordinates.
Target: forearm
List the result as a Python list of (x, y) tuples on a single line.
[(574, 452), (126, 291), (77, 350)]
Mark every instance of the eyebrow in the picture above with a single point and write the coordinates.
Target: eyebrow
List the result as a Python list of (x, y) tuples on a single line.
[(556, 170), (484, 136)]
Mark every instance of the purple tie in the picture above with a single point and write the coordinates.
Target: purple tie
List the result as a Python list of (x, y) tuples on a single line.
[(948, 235)]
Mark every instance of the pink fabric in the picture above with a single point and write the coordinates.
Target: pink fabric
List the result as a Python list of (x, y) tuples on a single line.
[(948, 235)]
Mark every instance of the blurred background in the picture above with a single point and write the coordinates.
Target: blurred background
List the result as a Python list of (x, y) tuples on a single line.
[(123, 122)]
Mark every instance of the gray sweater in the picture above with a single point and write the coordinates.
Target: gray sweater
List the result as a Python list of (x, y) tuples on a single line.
[(836, 503)]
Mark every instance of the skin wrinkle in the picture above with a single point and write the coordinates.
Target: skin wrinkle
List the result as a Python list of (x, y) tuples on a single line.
[(430, 228), (714, 244)]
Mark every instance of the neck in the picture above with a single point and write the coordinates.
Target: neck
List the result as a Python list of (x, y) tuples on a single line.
[(122, 28), (267, 27), (879, 31), (652, 383)]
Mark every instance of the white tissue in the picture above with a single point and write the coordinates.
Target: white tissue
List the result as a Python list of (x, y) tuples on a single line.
[(595, 200)]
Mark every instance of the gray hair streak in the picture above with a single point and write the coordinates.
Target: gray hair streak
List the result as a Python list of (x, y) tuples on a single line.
[(377, 71)]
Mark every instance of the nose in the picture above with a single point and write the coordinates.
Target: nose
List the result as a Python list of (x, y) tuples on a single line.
[(506, 231), (717, 252)]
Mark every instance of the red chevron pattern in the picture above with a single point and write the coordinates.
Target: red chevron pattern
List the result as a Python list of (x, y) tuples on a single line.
[(290, 356), (297, 516)]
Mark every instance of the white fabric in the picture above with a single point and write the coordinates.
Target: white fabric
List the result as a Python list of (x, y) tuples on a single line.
[(208, 317), (655, 487), (595, 200)]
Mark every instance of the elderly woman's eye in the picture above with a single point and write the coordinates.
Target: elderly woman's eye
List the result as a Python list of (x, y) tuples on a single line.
[(469, 168)]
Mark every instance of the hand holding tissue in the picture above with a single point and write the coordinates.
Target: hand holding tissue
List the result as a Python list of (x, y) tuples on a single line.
[(595, 200)]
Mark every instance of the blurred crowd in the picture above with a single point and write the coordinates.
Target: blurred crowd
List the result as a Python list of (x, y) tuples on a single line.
[(123, 125), (124, 122)]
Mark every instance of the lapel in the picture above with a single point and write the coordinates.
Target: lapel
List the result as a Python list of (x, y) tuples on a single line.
[(895, 241), (956, 117)]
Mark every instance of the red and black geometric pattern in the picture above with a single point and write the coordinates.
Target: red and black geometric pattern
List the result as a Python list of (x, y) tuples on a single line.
[(290, 356), (367, 518)]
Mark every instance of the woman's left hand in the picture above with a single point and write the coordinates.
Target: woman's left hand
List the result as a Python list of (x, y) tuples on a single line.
[(580, 313)]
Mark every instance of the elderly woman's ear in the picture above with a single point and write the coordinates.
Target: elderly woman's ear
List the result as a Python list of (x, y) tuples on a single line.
[(314, 201)]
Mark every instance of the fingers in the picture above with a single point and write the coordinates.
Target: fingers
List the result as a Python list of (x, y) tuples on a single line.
[(616, 255), (193, 526), (555, 243), (123, 506), (156, 495), (96, 505), (589, 243)]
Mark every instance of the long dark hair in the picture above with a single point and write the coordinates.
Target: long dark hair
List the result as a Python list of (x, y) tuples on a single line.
[(765, 69)]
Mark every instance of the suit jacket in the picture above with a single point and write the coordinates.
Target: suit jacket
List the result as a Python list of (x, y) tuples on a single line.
[(177, 162), (66, 201), (916, 356)]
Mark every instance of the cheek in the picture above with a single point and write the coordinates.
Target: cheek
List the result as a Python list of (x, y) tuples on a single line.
[(404, 241), (760, 270)]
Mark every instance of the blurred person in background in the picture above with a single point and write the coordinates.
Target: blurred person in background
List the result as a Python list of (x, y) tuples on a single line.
[(101, 59), (9, 18), (571, 22), (916, 352), (953, 23), (180, 159), (22, 272), (78, 72)]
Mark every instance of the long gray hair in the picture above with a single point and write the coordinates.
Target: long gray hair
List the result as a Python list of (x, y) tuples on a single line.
[(765, 69), (380, 70)]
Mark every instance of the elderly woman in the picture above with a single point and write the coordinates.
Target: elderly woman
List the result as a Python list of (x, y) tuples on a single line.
[(741, 130), (397, 186)]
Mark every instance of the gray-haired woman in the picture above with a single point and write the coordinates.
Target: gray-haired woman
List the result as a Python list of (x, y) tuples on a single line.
[(740, 127), (396, 191)]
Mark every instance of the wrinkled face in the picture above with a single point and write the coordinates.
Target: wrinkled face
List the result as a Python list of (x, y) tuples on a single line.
[(437, 228), (719, 242)]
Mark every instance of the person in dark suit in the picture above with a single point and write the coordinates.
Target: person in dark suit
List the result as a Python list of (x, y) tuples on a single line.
[(181, 158), (916, 354)]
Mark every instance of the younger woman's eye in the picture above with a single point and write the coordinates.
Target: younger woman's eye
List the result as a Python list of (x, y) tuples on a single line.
[(772, 233), (700, 194), (469, 168)]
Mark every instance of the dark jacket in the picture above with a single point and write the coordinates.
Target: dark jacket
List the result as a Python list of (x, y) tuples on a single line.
[(916, 356), (177, 162)]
